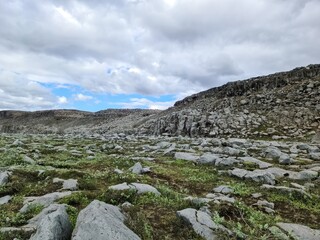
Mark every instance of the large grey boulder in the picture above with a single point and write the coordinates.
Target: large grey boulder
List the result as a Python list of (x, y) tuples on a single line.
[(101, 221), (44, 200), (201, 222), (4, 177), (52, 224), (300, 232)]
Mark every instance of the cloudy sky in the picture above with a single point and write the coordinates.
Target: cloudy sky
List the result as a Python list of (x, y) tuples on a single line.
[(98, 54)]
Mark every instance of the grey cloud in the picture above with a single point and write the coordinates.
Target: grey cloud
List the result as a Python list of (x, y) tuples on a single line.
[(180, 48)]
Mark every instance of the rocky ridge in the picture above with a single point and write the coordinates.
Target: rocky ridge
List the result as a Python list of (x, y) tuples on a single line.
[(280, 105)]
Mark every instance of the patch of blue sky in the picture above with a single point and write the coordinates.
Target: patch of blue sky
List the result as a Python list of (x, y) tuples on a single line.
[(92, 101)]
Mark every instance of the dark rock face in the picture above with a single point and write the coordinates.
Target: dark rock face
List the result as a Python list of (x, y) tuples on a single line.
[(282, 104)]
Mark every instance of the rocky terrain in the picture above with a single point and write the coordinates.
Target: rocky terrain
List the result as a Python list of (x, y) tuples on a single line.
[(140, 187), (240, 161)]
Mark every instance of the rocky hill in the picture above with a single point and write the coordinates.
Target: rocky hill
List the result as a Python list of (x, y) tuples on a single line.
[(281, 105), (69, 121)]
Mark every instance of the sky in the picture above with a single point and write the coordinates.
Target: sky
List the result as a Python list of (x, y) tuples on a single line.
[(97, 54)]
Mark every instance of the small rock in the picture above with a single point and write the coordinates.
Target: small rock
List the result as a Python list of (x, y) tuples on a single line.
[(29, 160), (5, 199), (139, 187), (69, 184), (4, 177), (118, 171), (186, 156), (223, 189)]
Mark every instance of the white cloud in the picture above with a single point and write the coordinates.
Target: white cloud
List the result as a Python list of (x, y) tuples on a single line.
[(146, 103), (62, 100), (82, 97)]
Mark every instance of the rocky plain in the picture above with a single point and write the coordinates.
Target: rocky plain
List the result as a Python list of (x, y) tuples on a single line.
[(240, 161)]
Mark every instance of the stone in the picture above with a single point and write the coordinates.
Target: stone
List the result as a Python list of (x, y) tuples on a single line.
[(285, 159), (218, 197), (69, 184), (4, 177), (286, 189), (208, 158), (101, 221), (44, 200), (315, 156), (140, 188), (223, 189), (201, 223), (261, 164), (256, 175), (226, 161), (300, 232), (264, 203), (278, 234), (28, 160), (256, 195), (186, 156), (5, 199), (137, 168), (118, 171), (52, 223), (272, 152)]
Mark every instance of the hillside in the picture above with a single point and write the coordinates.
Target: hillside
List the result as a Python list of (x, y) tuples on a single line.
[(285, 104), (68, 121)]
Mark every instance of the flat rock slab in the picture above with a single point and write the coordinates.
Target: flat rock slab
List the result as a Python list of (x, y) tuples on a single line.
[(44, 200), (261, 164), (256, 175), (139, 187), (201, 222), (186, 156), (300, 232), (286, 189), (101, 221)]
